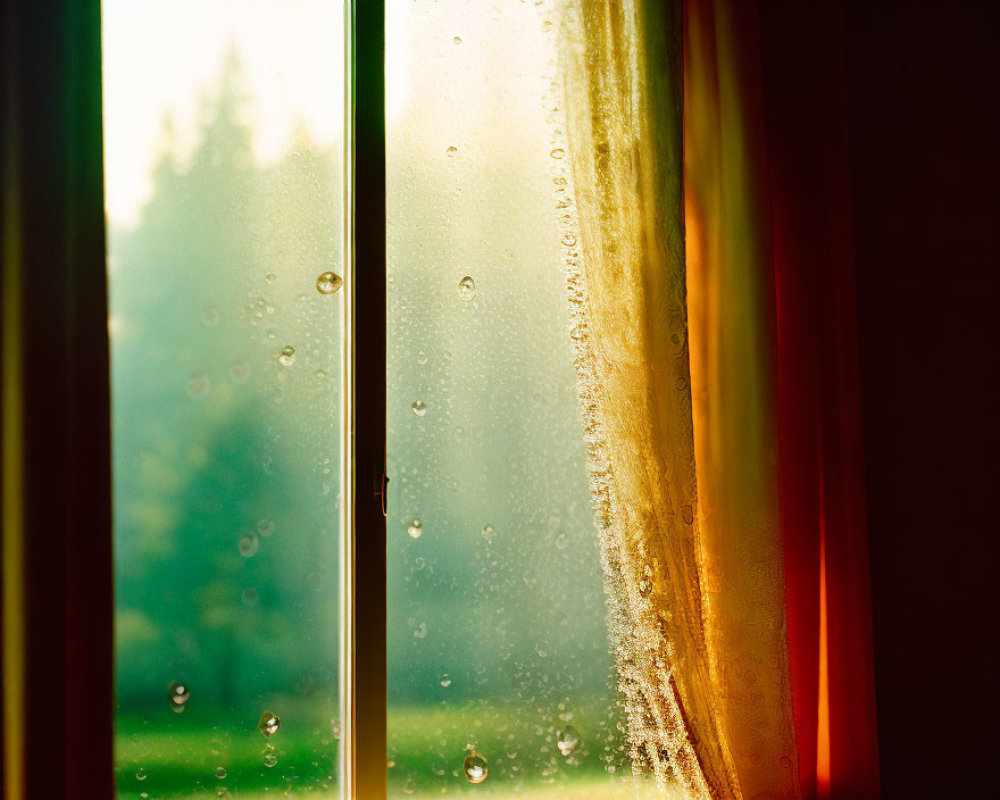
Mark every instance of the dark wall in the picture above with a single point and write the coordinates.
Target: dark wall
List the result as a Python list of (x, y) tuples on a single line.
[(925, 138)]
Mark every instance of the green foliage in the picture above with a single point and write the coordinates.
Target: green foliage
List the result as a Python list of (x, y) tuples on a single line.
[(214, 440), (210, 437)]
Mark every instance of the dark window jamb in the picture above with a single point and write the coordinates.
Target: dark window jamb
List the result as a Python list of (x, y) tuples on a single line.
[(56, 471)]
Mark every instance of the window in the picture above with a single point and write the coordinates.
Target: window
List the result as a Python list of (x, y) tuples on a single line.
[(230, 346), (499, 667), (224, 169), (224, 172)]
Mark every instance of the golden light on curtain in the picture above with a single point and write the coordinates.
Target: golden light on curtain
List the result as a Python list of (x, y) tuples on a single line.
[(676, 387), (731, 316)]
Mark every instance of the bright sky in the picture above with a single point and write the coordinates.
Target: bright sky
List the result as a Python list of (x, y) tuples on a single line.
[(161, 55), (397, 23)]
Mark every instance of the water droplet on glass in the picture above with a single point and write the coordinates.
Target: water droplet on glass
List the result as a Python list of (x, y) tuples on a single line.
[(687, 514), (265, 527), (178, 694), (457, 40), (445, 680), (569, 239), (287, 356), (141, 774), (645, 587), (567, 740), (222, 792), (239, 372), (220, 772), (336, 732), (488, 532), (270, 759), (314, 581), (198, 386), (421, 357), (270, 277), (562, 541), (421, 631), (269, 723), (467, 288), (557, 153), (419, 408), (249, 544), (144, 795), (546, 26), (415, 528), (474, 767), (451, 151), (329, 283)]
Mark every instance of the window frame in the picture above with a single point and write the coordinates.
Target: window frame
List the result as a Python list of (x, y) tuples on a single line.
[(56, 470), (365, 218)]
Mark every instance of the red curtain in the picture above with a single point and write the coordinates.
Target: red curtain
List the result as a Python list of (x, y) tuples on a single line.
[(821, 464), (787, 64)]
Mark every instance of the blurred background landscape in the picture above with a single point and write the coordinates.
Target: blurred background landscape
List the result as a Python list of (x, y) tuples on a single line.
[(227, 483), (227, 444)]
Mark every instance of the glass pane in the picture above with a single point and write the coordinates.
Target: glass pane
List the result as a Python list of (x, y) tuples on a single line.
[(499, 662), (224, 141)]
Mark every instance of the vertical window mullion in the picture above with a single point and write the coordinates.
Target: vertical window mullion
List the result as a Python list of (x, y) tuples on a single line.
[(366, 211)]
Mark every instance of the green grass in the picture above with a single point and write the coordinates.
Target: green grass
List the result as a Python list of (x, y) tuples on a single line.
[(179, 754), (427, 746)]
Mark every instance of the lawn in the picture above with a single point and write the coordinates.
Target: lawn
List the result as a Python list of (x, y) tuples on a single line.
[(201, 752)]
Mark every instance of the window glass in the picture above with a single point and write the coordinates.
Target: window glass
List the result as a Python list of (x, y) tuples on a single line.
[(500, 675), (224, 140)]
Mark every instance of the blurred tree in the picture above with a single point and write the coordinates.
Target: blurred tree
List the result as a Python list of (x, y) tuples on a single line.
[(209, 448)]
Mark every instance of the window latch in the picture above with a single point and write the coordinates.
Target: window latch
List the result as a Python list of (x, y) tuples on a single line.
[(382, 492)]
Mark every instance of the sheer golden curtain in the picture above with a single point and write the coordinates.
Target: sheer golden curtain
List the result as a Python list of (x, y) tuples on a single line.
[(675, 377)]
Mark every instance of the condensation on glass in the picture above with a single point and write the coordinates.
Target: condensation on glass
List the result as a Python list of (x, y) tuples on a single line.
[(501, 679), (224, 141)]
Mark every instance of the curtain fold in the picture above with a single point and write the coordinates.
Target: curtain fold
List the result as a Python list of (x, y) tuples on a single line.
[(715, 383), (627, 296), (819, 409), (676, 385), (731, 310)]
